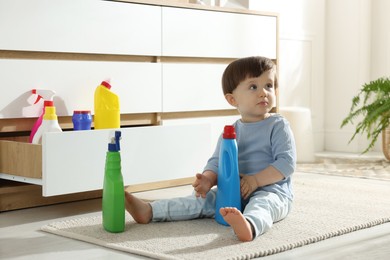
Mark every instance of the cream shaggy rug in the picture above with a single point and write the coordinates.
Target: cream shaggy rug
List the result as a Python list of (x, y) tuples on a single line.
[(324, 207), (366, 169)]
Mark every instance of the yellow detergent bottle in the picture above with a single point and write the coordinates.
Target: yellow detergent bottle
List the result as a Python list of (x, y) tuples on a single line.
[(106, 103)]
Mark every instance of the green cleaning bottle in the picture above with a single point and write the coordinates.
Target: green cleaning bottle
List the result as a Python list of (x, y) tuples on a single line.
[(113, 204)]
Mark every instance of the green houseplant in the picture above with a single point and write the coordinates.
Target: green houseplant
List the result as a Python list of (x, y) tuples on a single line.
[(372, 106)]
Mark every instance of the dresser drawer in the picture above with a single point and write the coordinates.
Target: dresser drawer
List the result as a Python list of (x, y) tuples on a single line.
[(74, 161), (197, 33), (75, 82), (88, 26)]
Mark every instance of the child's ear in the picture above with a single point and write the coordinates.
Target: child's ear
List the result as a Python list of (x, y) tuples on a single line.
[(231, 100)]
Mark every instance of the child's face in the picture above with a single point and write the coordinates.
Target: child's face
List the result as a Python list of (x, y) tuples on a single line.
[(254, 97)]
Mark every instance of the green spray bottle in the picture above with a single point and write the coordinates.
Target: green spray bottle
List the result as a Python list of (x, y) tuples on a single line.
[(113, 204)]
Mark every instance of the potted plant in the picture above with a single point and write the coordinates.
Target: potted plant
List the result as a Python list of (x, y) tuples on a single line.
[(372, 106)]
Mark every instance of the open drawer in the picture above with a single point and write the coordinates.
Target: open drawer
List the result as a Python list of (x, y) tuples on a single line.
[(74, 161)]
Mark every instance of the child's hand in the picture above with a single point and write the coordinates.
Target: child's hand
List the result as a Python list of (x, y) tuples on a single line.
[(202, 185), (248, 185)]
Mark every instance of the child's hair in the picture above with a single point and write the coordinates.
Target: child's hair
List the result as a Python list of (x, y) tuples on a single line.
[(239, 70)]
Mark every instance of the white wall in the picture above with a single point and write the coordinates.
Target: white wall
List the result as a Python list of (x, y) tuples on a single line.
[(380, 35), (301, 56), (328, 49), (347, 67), (364, 56), (380, 44)]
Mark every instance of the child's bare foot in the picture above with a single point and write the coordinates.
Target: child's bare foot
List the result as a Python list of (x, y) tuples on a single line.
[(140, 211), (237, 221)]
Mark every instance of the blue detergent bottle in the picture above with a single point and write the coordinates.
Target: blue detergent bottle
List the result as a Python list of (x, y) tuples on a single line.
[(228, 192)]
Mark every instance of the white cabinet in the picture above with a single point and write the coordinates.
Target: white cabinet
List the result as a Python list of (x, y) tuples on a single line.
[(198, 33), (73, 45), (87, 26), (164, 61)]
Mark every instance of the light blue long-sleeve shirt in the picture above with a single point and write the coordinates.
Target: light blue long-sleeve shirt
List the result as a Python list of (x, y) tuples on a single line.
[(261, 144)]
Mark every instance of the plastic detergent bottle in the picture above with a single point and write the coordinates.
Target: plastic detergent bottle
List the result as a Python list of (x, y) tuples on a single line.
[(106, 104), (38, 123), (113, 202), (49, 124), (47, 99), (228, 192), (82, 120)]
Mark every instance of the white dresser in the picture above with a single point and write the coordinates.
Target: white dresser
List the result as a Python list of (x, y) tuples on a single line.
[(165, 62)]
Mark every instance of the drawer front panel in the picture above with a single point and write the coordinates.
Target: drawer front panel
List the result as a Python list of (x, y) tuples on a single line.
[(196, 33), (74, 161), (75, 81), (193, 87), (86, 26), (216, 125)]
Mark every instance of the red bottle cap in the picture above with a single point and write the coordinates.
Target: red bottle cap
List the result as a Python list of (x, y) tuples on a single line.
[(229, 132), (48, 103), (82, 112), (106, 84)]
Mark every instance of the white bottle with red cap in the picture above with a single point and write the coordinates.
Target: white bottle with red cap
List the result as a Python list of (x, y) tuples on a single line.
[(49, 124), (45, 96)]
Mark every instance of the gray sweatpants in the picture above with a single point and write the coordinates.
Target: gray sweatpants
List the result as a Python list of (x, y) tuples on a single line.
[(262, 209)]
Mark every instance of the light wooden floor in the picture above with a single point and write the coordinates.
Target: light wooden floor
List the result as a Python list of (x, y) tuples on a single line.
[(21, 238)]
